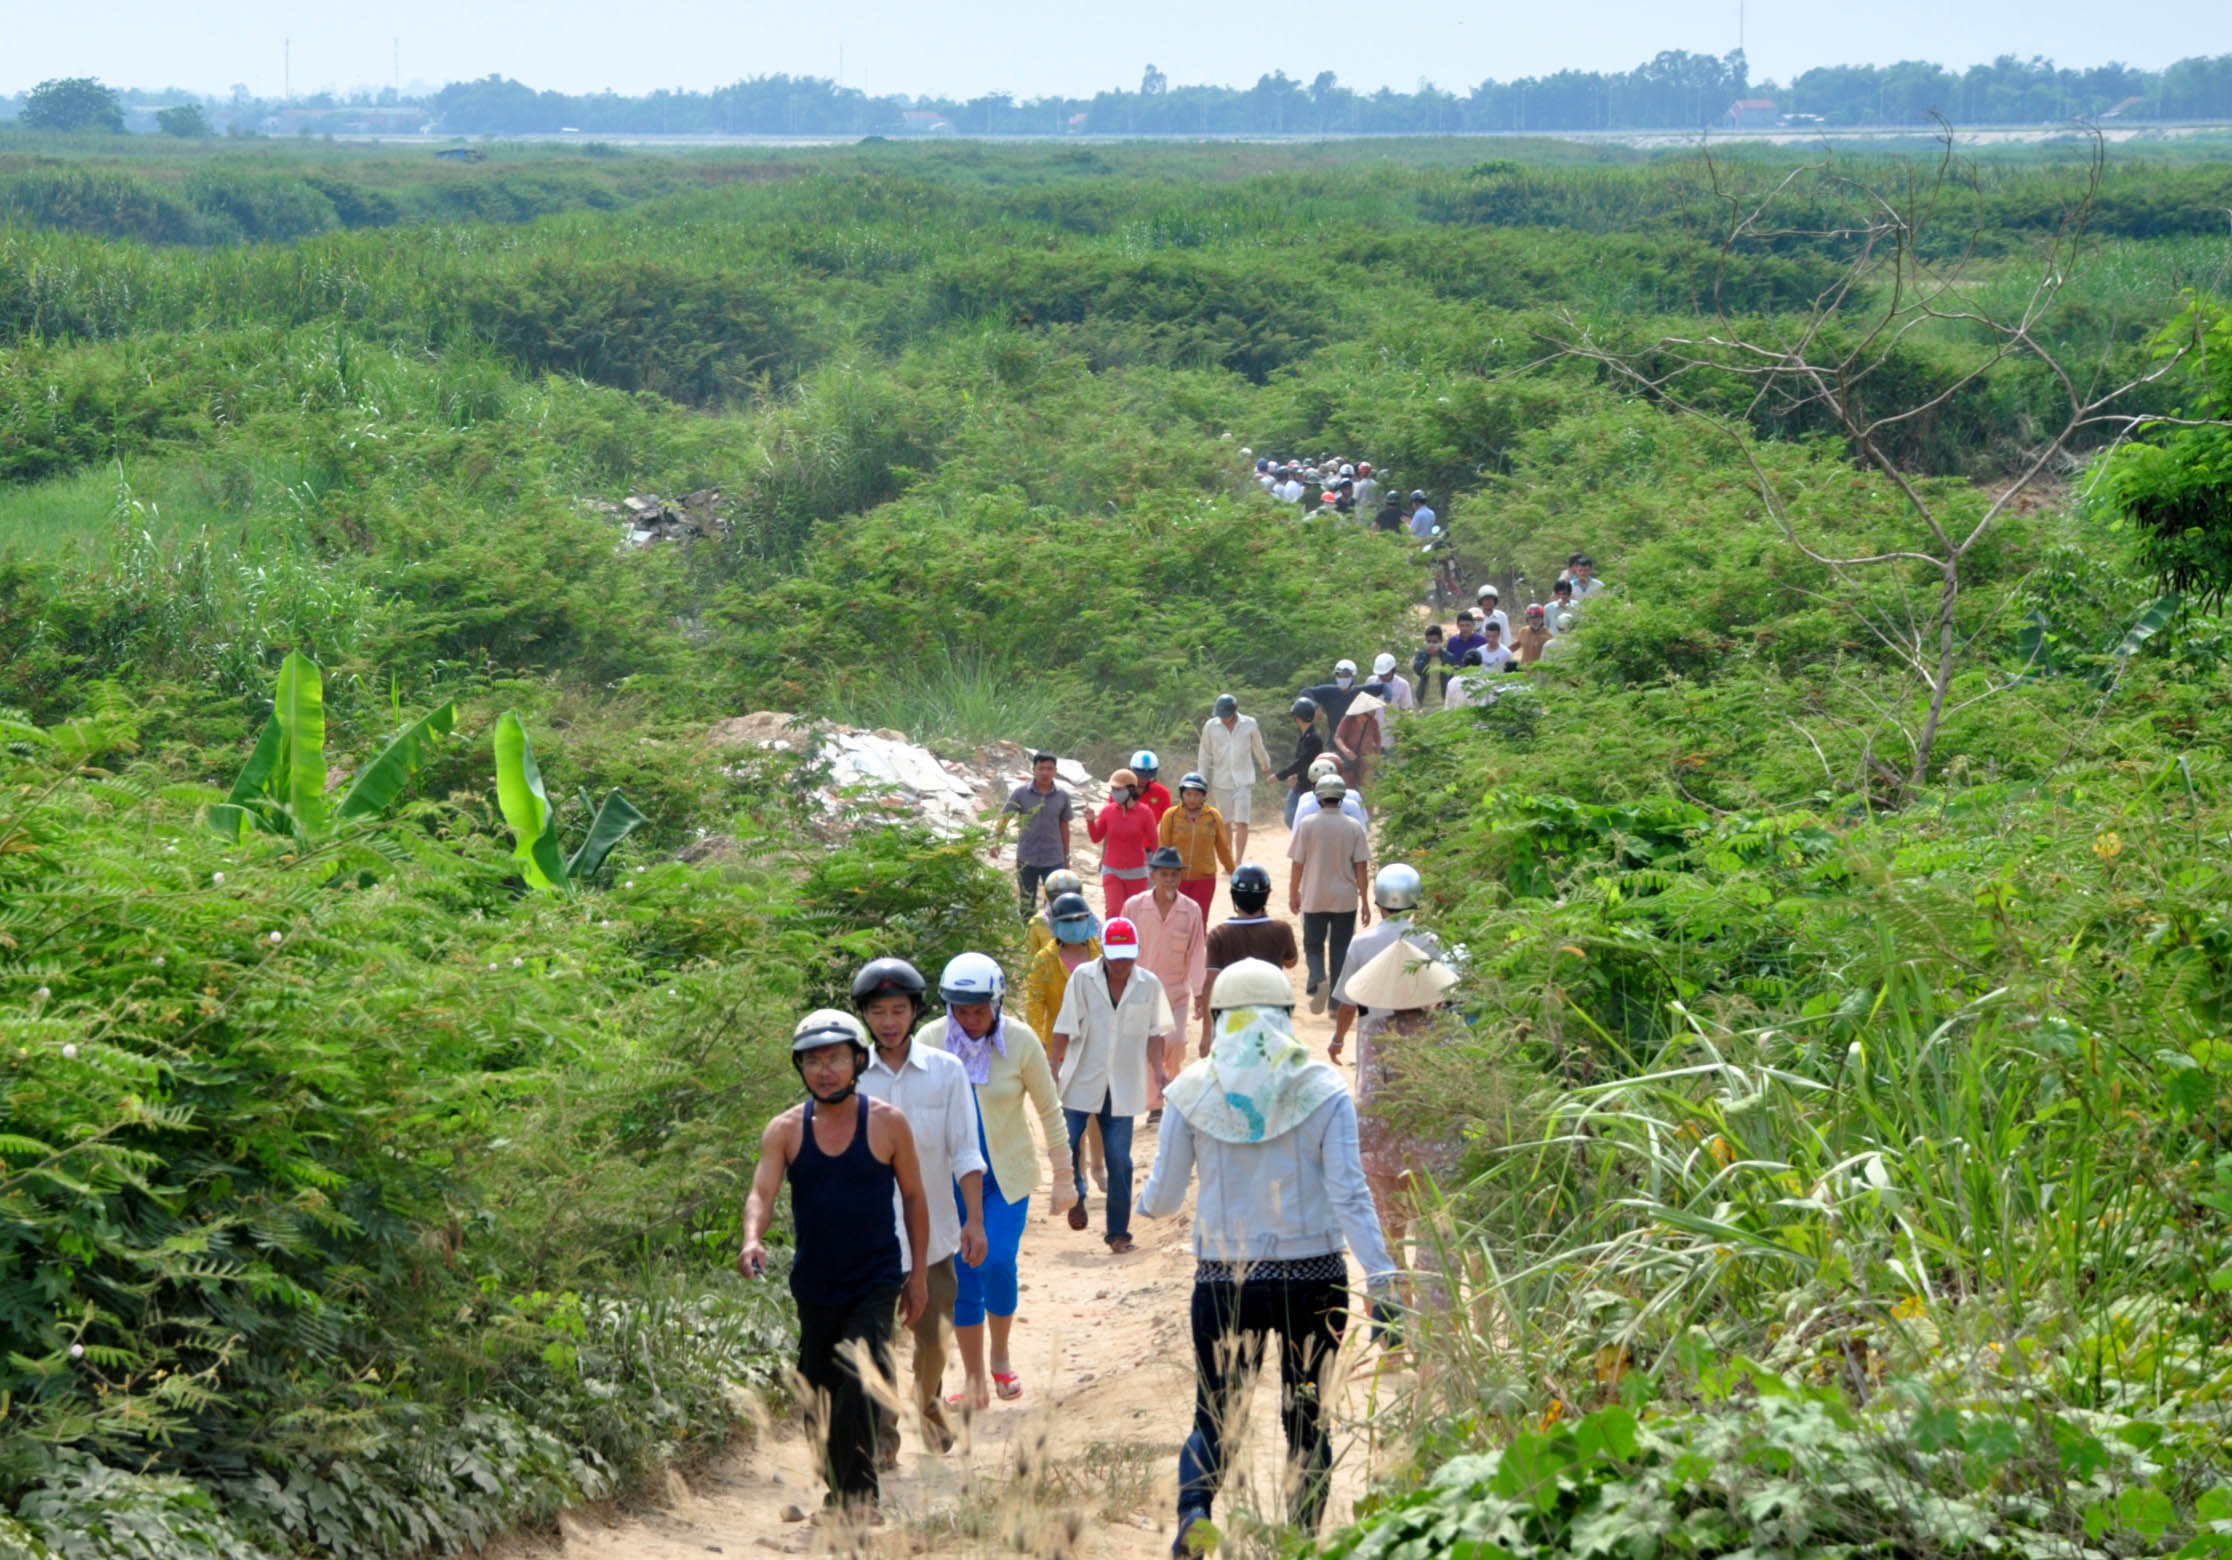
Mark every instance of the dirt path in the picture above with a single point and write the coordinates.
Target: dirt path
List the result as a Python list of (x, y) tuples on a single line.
[(1085, 1465)]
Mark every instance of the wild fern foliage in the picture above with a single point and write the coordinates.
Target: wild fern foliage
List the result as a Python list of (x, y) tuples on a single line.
[(297, 1166)]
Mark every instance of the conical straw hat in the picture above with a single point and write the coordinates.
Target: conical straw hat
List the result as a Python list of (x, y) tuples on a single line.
[(1401, 976)]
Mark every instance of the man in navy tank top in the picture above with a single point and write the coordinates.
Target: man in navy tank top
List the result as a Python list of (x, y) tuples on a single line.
[(849, 1160)]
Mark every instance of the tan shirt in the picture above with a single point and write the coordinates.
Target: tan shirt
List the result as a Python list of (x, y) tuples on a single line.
[(1234, 757), (1327, 847), (1107, 1056)]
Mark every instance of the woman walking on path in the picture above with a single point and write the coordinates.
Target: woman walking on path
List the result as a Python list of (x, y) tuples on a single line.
[(1272, 1133), (1400, 988), (1197, 832), (1127, 830), (1006, 1063)]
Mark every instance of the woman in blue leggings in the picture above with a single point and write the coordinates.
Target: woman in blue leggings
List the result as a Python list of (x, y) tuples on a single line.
[(1007, 1063)]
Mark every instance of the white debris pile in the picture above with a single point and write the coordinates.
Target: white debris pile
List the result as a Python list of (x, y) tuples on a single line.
[(881, 774)]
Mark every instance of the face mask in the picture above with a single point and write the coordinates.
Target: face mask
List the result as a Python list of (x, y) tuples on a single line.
[(1125, 795), (1343, 678), (1073, 932)]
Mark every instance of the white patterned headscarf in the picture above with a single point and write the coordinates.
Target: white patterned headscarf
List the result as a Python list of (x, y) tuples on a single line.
[(1258, 1081)]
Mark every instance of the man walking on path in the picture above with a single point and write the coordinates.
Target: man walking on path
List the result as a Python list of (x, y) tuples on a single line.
[(1042, 844), (1333, 697), (1307, 746), (1350, 803), (1127, 831), (1465, 641), (1197, 832), (1399, 695), (1108, 1040), (848, 1159), (1396, 890), (1248, 934), (1232, 755), (1533, 637), (1332, 864), (932, 1091), (1173, 941), (1431, 666)]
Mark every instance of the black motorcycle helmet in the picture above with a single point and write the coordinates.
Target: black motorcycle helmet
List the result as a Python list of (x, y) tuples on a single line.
[(1251, 887), (889, 978), (1303, 709)]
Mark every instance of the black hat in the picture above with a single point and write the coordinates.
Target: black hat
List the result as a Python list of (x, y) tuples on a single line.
[(1166, 856)]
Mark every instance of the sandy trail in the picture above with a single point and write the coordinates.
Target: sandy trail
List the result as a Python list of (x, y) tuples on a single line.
[(1085, 1464)]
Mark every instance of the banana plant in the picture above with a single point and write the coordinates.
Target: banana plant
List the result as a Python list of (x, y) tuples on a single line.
[(281, 790), (526, 807)]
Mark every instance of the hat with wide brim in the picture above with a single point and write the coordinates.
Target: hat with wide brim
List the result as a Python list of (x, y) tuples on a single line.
[(1400, 977), (1364, 704)]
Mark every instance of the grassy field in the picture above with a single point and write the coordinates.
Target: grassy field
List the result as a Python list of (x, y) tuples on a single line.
[(1823, 1132)]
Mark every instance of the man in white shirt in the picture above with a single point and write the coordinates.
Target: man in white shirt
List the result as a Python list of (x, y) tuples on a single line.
[(1110, 1031), (1490, 610), (1309, 805), (931, 1089), (1331, 859), (1399, 694), (1233, 759)]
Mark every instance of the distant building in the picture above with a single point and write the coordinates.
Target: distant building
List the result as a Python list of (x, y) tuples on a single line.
[(924, 121), (1753, 114), (1077, 124)]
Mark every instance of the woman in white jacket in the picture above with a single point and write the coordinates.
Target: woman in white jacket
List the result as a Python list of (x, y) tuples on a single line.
[(1273, 1134)]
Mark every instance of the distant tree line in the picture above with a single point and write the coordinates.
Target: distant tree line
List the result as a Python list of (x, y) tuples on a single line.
[(1675, 90)]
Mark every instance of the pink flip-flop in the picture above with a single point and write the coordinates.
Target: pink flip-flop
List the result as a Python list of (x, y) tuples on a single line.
[(1007, 1385)]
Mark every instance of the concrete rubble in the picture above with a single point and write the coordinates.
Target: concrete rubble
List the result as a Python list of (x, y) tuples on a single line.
[(881, 774), (651, 519)]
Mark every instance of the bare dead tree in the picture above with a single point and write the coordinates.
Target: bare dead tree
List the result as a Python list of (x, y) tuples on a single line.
[(1897, 281)]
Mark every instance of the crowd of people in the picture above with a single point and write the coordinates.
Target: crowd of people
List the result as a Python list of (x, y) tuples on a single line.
[(1144, 1016)]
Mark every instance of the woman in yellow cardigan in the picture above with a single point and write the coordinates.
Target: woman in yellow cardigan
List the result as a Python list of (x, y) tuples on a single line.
[(1006, 1061)]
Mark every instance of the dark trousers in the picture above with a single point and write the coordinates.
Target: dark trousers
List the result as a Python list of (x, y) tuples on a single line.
[(1229, 1324), (1027, 881), (1116, 1143), (1325, 940), (842, 1409)]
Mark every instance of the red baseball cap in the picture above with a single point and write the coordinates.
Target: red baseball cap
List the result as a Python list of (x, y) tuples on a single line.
[(1120, 939)]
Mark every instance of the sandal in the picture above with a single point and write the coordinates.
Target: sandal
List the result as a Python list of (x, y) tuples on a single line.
[(1007, 1385), (1077, 1219), (1121, 1246)]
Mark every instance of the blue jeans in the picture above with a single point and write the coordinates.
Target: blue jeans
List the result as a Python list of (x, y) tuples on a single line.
[(1294, 800), (1230, 1327), (1116, 1140)]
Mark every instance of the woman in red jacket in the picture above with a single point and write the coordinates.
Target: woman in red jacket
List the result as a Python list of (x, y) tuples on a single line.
[(1127, 832)]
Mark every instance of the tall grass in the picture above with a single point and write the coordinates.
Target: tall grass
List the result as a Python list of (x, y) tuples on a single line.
[(961, 697)]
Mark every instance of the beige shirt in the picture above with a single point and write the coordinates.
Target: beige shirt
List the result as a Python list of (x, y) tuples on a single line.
[(1234, 757), (1107, 1057), (1328, 847)]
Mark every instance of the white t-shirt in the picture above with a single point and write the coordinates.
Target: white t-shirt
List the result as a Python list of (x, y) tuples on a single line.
[(1423, 521), (1494, 658), (1497, 616)]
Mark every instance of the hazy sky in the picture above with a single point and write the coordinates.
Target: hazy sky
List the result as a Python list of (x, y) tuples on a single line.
[(1029, 47)]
